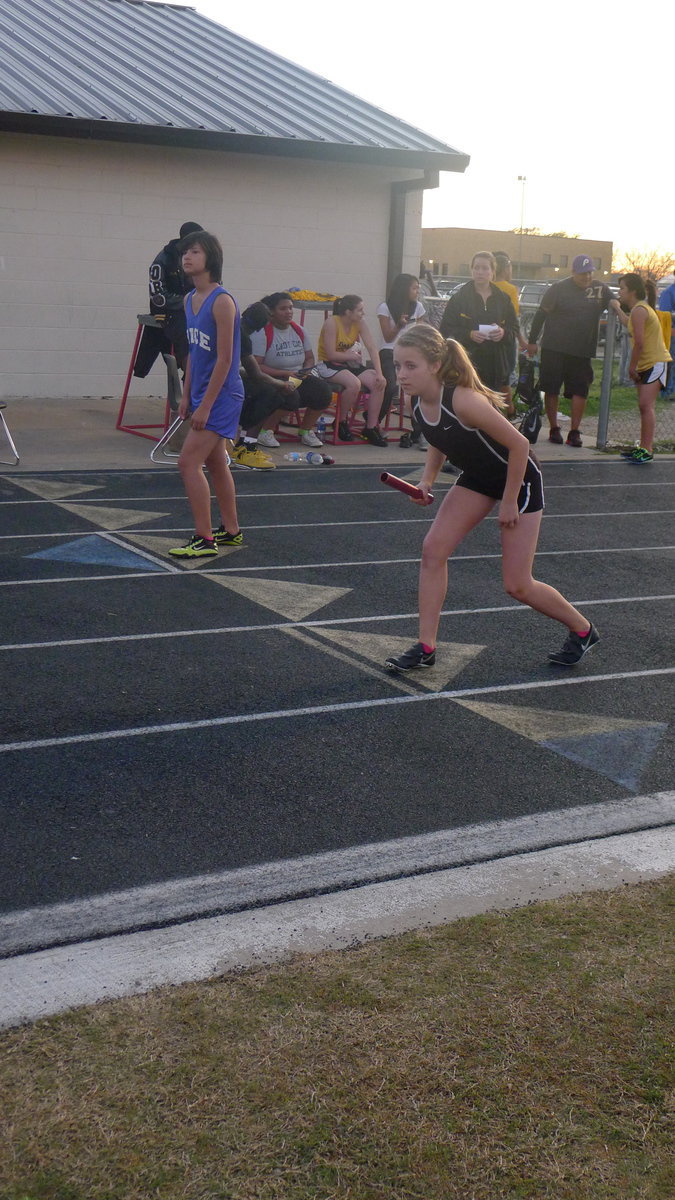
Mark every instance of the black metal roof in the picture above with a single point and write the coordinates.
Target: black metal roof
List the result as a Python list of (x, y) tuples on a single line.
[(113, 69)]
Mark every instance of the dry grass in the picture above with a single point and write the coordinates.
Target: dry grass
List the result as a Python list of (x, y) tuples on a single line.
[(517, 1055)]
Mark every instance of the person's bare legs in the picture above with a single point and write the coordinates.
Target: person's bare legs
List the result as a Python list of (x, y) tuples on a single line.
[(578, 408), (349, 394), (367, 381), (551, 406), (223, 486), (519, 545), (459, 513), (647, 393), (197, 447)]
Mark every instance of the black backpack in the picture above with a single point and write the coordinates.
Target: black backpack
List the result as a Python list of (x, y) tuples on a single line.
[(528, 390)]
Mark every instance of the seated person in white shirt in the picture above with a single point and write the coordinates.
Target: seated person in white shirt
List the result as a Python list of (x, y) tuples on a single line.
[(284, 353)]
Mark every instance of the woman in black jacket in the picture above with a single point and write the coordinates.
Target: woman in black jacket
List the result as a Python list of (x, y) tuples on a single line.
[(481, 317)]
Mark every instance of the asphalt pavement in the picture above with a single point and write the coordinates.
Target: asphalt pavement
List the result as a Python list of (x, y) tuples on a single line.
[(183, 742)]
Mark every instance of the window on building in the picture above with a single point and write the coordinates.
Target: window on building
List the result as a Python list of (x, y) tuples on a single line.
[(564, 260), (546, 259), (445, 269), (597, 263), (434, 269)]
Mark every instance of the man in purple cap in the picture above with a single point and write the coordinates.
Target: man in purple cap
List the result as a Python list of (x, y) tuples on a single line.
[(569, 315)]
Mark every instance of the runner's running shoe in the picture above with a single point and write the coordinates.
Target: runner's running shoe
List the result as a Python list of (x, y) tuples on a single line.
[(197, 547), (574, 647), (415, 657), (640, 455), (222, 538)]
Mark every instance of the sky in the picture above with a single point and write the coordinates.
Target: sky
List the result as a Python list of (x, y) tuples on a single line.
[(540, 90)]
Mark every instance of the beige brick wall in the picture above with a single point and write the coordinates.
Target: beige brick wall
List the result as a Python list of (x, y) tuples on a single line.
[(81, 221)]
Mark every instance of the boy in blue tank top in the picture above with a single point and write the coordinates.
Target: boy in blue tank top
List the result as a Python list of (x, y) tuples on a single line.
[(213, 394)]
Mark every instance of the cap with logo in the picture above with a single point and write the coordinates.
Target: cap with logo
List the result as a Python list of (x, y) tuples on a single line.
[(582, 264)]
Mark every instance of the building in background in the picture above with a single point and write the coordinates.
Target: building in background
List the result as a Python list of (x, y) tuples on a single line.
[(108, 143), (449, 251)]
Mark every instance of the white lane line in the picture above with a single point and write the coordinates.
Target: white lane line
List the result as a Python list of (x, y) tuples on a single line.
[(318, 710), (569, 516), (275, 881), (165, 565), (333, 652), (284, 625), (316, 566), (551, 487)]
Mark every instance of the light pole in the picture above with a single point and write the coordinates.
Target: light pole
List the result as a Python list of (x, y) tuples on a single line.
[(522, 180)]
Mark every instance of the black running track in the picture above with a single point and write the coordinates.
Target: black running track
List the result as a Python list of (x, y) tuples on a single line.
[(161, 723)]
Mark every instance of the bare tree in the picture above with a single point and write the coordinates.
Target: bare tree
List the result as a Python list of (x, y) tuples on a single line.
[(652, 264)]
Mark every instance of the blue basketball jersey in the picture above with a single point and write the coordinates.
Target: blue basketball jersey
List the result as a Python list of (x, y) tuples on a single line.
[(201, 332)]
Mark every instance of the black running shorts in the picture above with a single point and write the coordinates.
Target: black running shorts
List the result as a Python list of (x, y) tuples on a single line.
[(566, 371), (530, 496)]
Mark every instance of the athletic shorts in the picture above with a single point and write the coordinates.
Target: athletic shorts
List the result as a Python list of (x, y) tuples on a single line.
[(566, 371), (530, 496), (224, 416), (326, 370), (651, 374)]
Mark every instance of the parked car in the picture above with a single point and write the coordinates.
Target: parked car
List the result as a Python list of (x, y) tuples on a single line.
[(529, 299)]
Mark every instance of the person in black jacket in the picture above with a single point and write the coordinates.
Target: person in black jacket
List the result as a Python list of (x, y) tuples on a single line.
[(168, 286), (483, 320)]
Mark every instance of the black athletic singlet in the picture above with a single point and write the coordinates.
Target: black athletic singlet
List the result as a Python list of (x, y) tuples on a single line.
[(482, 461)]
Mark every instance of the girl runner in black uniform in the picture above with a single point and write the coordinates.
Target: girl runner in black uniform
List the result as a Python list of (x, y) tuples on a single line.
[(460, 419)]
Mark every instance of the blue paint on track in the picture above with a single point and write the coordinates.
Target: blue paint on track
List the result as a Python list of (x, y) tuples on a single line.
[(100, 551), (620, 755)]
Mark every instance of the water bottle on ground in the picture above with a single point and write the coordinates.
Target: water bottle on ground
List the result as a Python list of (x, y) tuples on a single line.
[(312, 457)]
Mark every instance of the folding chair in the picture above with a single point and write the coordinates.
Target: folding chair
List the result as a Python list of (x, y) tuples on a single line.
[(9, 461)]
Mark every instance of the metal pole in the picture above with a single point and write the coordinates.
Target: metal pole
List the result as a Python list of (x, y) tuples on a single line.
[(606, 384), (522, 180)]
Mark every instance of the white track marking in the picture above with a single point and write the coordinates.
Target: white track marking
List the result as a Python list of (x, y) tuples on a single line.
[(570, 516), (320, 709), (270, 882), (180, 497), (317, 566), (380, 617), (165, 564)]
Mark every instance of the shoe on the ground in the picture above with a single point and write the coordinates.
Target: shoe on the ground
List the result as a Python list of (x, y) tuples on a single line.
[(197, 547), (574, 438), (448, 469), (252, 458), (405, 441), (222, 538), (309, 438), (344, 432), (574, 647), (629, 453), (422, 443), (266, 438), (640, 455), (415, 657), (374, 436), (554, 436)]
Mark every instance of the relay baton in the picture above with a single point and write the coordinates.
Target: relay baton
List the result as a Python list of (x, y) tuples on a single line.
[(408, 489)]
